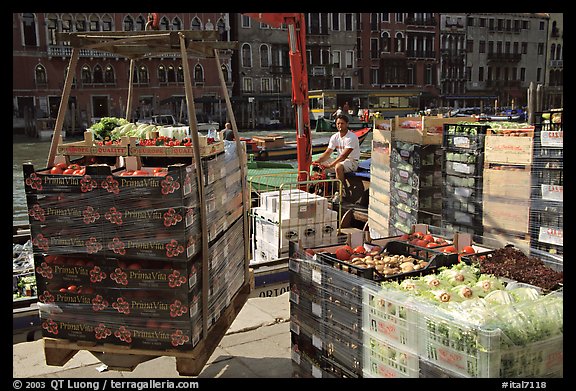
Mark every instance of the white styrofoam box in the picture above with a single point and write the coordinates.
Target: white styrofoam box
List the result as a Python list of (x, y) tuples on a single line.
[(265, 198), (311, 234), (330, 215), (267, 252)]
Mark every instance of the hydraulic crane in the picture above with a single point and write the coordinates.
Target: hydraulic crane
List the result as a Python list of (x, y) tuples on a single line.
[(297, 45)]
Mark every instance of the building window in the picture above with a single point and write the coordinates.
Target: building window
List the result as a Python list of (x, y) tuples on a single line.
[(247, 84), (385, 17), (52, 26), (29, 29), (98, 76), (481, 22), (480, 74), (195, 25), (385, 44), (373, 48), (246, 56), (399, 40), (359, 48), (538, 74), (524, 48), (265, 85), (180, 74), (523, 74), (489, 74), (221, 27), (141, 23), (348, 83), (162, 74), (224, 69), (429, 75), (264, 56), (491, 24), (373, 76), (469, 46), (109, 75), (336, 59), (335, 21), (348, 22), (374, 21), (94, 23), (507, 47), (490, 47), (171, 73), (515, 47), (513, 73), (245, 21), (482, 47), (470, 22), (540, 48), (86, 75), (106, 23), (128, 23), (40, 74), (198, 73), (525, 25), (80, 23), (176, 24), (541, 25), (143, 74), (337, 83), (349, 58), (399, 17)]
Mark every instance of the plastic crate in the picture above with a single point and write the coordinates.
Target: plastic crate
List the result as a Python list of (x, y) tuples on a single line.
[(344, 350), (548, 142), (464, 137), (390, 316), (382, 359), (434, 257), (463, 169), (460, 217), (415, 217), (429, 198), (418, 157), (451, 205), (306, 367)]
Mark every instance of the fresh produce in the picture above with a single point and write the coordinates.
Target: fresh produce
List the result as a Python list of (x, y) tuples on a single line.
[(102, 129)]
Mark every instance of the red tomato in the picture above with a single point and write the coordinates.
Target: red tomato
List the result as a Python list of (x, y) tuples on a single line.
[(158, 169), (62, 166), (359, 250), (449, 249), (468, 250), (74, 166), (72, 288), (432, 245), (421, 243), (160, 173), (140, 173), (127, 173), (68, 171), (428, 238), (56, 170)]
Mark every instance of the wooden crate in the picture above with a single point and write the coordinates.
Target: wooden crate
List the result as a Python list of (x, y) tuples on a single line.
[(272, 141), (508, 149), (88, 147), (506, 215), (120, 358), (423, 130), (511, 182)]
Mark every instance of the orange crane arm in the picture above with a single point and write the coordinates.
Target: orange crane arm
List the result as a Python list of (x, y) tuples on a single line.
[(297, 44)]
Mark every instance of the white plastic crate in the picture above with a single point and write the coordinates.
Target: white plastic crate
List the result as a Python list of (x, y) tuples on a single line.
[(469, 351), (390, 316), (382, 359)]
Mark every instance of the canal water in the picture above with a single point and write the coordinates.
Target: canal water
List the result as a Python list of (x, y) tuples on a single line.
[(35, 151)]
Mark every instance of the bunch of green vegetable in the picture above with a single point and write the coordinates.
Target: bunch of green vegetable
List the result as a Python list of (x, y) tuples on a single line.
[(102, 129)]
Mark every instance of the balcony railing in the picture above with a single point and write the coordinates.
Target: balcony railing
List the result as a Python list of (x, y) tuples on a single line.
[(420, 22), (421, 53), (503, 83), (556, 63), (512, 57)]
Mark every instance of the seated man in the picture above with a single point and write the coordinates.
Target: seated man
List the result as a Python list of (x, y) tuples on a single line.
[(347, 145), (227, 132)]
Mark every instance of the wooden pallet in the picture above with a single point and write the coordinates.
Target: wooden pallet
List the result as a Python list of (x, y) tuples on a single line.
[(120, 358)]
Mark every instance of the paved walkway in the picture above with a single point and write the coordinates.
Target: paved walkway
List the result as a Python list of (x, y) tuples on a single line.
[(257, 345)]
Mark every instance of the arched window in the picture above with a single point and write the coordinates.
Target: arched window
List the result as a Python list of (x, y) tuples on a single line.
[(40, 74), (221, 27), (264, 56), (386, 42), (399, 43), (180, 74), (98, 75), (94, 23), (140, 23), (143, 74), (66, 75), (164, 23), (128, 23), (162, 74), (196, 25), (107, 23), (109, 74), (80, 22), (558, 52), (176, 24), (29, 29), (52, 26), (225, 72), (171, 74), (198, 73), (86, 75), (246, 56), (552, 51)]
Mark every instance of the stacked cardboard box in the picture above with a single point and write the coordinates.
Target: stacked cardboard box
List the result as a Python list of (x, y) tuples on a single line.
[(118, 259), (290, 215)]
